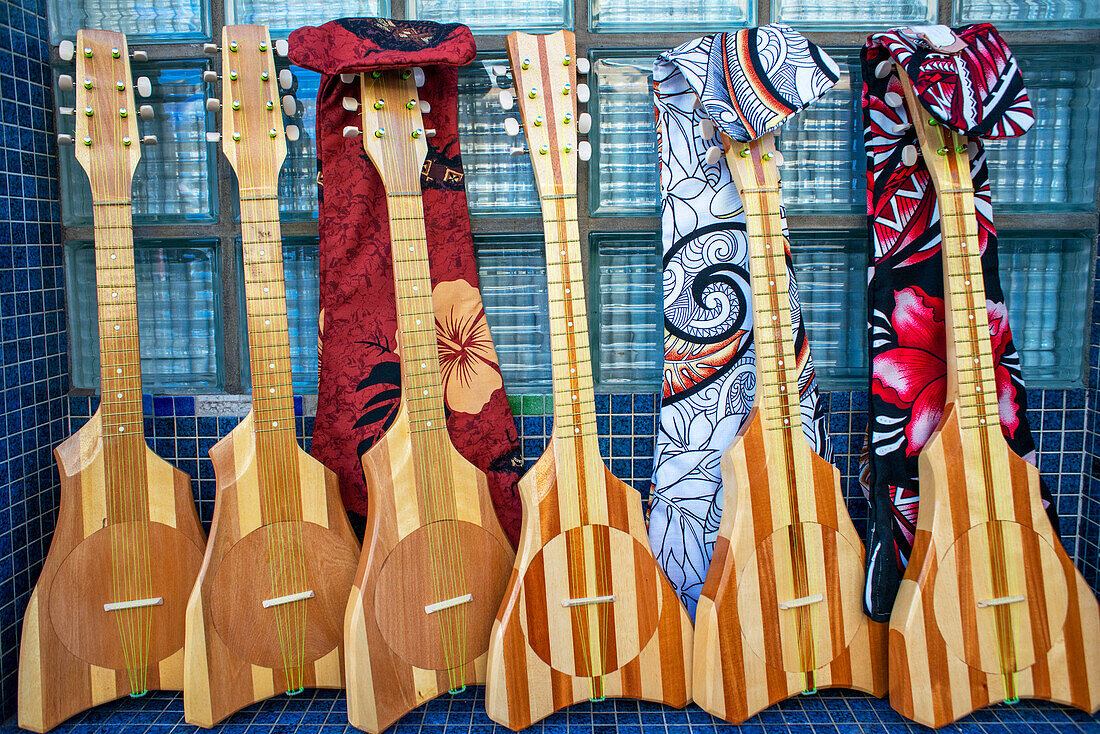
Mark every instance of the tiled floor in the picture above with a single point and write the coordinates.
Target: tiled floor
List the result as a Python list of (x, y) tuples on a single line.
[(324, 712)]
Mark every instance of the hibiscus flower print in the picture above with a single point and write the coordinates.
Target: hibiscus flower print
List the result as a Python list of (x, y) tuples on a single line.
[(467, 358), (913, 375)]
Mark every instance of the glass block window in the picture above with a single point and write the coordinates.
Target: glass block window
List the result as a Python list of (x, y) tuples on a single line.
[(512, 274), (831, 269), (283, 16), (625, 310), (301, 267), (1052, 166), (1029, 13), (496, 16), (626, 15), (179, 314), (846, 14), (1045, 277), (176, 179), (624, 139), (140, 20), (496, 180), (298, 179)]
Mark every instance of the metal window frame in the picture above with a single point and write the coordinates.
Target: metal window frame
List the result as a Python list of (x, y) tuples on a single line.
[(227, 229)]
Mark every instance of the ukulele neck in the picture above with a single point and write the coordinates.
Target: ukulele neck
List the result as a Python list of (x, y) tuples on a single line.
[(119, 351), (569, 347), (265, 302), (777, 397), (422, 385)]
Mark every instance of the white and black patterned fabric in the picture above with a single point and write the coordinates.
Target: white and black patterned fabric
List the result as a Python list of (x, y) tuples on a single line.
[(746, 84)]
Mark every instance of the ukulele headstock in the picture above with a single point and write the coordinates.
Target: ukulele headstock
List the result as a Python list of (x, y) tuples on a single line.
[(253, 137), (754, 165), (544, 73), (393, 126), (946, 152), (107, 142)]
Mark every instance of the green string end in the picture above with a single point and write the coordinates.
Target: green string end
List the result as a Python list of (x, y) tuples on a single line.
[(296, 691), (597, 700), (1012, 701), (139, 694), (456, 691)]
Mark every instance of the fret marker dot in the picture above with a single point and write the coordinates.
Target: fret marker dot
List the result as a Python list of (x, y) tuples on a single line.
[(266, 289), (271, 366), (119, 371), (425, 392), (782, 388), (418, 322), (261, 252), (786, 421), (274, 424), (966, 282), (416, 287), (411, 250), (117, 327), (122, 429), (576, 430), (978, 388), (272, 389), (120, 396), (267, 322), (775, 318), (566, 290), (424, 365), (982, 421), (563, 252), (428, 424), (574, 396), (114, 257), (567, 323), (971, 317), (780, 363), (114, 294), (572, 370)]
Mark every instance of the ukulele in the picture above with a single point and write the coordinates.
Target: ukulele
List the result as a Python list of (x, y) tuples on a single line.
[(990, 608), (781, 610), (432, 576), (587, 614), (266, 614), (106, 618)]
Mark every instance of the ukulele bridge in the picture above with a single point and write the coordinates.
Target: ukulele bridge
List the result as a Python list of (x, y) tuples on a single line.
[(802, 601), (439, 606), (118, 606), (1000, 601), (585, 600), (287, 599)]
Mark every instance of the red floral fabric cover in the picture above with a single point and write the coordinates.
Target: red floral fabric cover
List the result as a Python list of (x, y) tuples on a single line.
[(359, 387), (978, 91)]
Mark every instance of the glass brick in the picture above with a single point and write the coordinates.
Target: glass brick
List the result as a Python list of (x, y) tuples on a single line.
[(846, 14), (627, 16), (179, 314), (1053, 166), (512, 274), (281, 17), (625, 310), (141, 20), (298, 178), (1045, 277), (496, 181), (1029, 14), (496, 16), (176, 179)]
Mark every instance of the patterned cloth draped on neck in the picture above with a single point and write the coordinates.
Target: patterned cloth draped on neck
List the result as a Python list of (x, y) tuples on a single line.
[(977, 91), (747, 83)]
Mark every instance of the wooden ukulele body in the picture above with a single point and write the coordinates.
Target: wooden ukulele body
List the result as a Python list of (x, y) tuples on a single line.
[(747, 648), (233, 657), (399, 654), (540, 655), (944, 660), (71, 656)]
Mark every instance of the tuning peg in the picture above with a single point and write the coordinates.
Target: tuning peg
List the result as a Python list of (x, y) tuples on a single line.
[(282, 48), (210, 49), (149, 140), (584, 150), (583, 65), (430, 132), (351, 104), (209, 77), (778, 158), (883, 69), (144, 86), (972, 148), (351, 131), (213, 137), (909, 155), (583, 93), (511, 127), (706, 128), (499, 70), (348, 78), (65, 83), (713, 155), (517, 150), (286, 79), (418, 76), (507, 99), (900, 127), (425, 108), (893, 99), (290, 105), (697, 104), (213, 105), (66, 111), (145, 112), (66, 50), (584, 123), (64, 139), (292, 133), (139, 55)]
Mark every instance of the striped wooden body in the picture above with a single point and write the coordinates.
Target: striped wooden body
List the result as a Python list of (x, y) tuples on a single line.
[(433, 570), (781, 610), (106, 617), (588, 612), (990, 608), (265, 616)]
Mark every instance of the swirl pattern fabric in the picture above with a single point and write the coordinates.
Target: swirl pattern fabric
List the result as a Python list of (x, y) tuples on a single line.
[(747, 84), (979, 92)]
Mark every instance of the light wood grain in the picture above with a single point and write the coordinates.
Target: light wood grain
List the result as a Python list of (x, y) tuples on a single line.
[(127, 528), (279, 526), (990, 608), (583, 535)]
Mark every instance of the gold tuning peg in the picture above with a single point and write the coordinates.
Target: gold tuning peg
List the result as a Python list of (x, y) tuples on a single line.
[(66, 50)]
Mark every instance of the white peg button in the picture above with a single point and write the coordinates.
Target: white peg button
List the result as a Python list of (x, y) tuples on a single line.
[(66, 50), (292, 133), (144, 86), (972, 149), (583, 93), (348, 78), (139, 55), (213, 137), (351, 131), (778, 158), (418, 76), (583, 65), (66, 111), (65, 83), (209, 77), (425, 108), (584, 150), (210, 49), (696, 104), (909, 155), (511, 126), (149, 140), (714, 154), (884, 68), (430, 132), (351, 104), (64, 139), (290, 106), (584, 123), (893, 99), (514, 150), (900, 127), (145, 112), (213, 105), (706, 128), (499, 70), (282, 47), (286, 79)]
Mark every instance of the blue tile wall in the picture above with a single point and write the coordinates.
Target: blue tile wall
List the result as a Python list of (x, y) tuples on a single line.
[(32, 320)]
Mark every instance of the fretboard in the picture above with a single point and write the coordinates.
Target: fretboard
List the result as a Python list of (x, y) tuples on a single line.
[(421, 376), (777, 396), (970, 374), (265, 301), (574, 401)]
